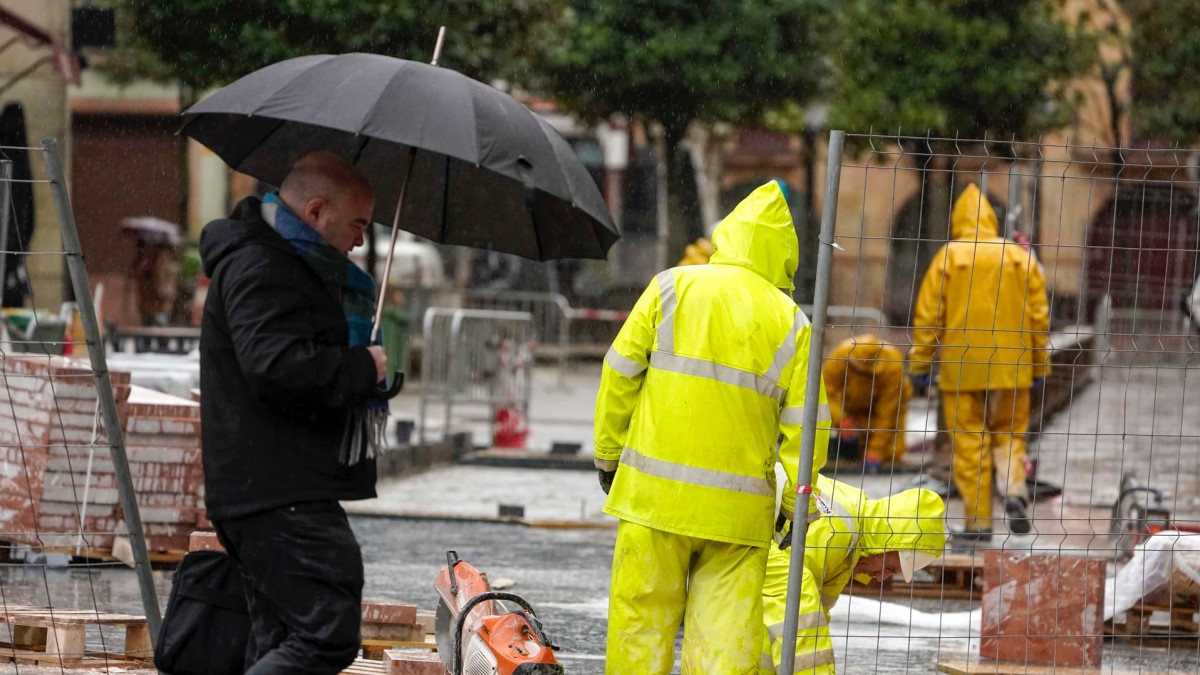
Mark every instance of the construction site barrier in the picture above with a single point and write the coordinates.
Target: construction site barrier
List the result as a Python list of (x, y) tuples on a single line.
[(475, 357)]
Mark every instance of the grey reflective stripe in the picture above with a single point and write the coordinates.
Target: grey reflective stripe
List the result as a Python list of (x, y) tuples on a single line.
[(687, 365), (623, 364), (809, 660), (844, 515), (828, 601), (787, 350), (808, 621), (795, 414), (606, 464), (766, 663), (667, 303), (695, 475)]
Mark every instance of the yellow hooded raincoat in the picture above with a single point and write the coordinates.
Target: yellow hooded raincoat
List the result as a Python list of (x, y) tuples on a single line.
[(702, 385), (865, 381), (910, 522), (983, 305)]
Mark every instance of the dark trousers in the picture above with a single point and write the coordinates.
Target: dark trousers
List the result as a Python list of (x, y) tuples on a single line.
[(304, 578)]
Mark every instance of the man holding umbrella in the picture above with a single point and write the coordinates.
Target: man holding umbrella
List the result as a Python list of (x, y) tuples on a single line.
[(286, 373), (294, 412)]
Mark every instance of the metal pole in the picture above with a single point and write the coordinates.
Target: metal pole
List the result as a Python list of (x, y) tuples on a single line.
[(808, 436), (104, 392)]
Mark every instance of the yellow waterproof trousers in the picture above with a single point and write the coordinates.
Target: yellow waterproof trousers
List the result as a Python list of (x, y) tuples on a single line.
[(814, 649), (660, 578), (988, 428)]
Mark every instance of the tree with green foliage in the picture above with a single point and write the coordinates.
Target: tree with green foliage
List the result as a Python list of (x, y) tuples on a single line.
[(675, 62), (951, 69), (957, 67), (207, 43)]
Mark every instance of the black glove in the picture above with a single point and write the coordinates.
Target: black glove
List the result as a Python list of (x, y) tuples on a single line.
[(606, 479), (780, 524)]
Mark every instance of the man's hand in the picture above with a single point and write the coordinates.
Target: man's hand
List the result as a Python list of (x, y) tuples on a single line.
[(606, 480), (381, 362), (920, 383)]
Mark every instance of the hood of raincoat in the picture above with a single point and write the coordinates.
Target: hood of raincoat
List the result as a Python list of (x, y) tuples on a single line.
[(973, 216), (759, 235), (913, 520), (864, 355)]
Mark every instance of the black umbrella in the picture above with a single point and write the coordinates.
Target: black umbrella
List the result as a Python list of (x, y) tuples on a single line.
[(460, 162)]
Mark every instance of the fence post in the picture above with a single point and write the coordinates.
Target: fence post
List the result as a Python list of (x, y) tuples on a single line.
[(108, 404), (564, 339), (808, 437)]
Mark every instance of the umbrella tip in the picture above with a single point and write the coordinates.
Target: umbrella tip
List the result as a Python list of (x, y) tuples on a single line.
[(437, 48)]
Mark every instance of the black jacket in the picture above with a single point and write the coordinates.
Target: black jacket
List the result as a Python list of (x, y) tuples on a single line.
[(276, 377)]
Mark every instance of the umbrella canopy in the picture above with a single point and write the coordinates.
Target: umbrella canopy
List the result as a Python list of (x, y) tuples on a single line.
[(155, 230), (487, 172)]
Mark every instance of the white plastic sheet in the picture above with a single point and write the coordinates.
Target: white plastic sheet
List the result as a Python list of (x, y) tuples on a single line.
[(1150, 569)]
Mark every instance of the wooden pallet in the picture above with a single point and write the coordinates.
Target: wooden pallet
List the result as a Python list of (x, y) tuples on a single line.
[(366, 667), (954, 576), (1135, 626), (957, 665), (41, 635), (379, 636)]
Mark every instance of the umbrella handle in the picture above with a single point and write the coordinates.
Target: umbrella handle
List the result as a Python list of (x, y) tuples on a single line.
[(390, 392)]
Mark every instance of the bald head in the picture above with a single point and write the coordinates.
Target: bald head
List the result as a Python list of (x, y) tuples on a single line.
[(330, 196), (323, 174)]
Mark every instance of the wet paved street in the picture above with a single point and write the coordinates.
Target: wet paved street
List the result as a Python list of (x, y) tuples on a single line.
[(1143, 420)]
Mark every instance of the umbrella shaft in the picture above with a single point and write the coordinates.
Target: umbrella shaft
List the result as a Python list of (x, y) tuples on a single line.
[(387, 266)]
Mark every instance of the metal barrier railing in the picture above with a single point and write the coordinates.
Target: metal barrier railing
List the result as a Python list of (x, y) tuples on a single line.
[(550, 313), (1130, 335), (475, 357)]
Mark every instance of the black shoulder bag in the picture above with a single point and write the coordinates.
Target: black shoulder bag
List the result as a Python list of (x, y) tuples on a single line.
[(207, 625)]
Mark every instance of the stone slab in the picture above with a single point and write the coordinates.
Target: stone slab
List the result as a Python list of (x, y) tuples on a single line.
[(1043, 609)]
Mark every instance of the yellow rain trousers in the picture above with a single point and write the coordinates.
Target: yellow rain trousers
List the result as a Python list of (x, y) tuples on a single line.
[(989, 436), (711, 585), (865, 381), (912, 520), (983, 306), (701, 394)]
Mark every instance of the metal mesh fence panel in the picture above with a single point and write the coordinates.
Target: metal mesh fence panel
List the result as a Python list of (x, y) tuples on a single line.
[(68, 510), (1053, 321)]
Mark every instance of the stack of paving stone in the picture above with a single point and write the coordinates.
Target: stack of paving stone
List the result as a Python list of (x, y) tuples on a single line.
[(56, 467)]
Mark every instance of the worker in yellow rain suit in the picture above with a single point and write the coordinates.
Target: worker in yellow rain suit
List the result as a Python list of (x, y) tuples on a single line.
[(700, 395), (868, 397), (698, 252), (856, 537), (983, 305)]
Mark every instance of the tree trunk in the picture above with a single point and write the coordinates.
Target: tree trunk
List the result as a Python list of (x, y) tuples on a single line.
[(707, 155), (662, 198), (682, 212)]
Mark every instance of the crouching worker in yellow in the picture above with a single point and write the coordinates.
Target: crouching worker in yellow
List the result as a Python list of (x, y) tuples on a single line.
[(857, 537), (868, 397), (704, 378)]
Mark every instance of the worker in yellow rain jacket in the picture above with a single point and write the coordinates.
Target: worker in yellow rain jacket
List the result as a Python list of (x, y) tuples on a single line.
[(868, 397), (702, 392), (698, 252), (856, 537), (982, 312)]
